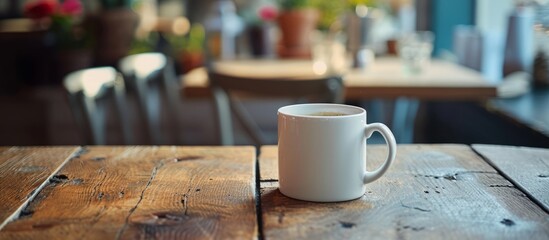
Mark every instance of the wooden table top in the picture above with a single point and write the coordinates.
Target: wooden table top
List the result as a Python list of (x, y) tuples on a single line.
[(432, 191), (529, 109), (384, 79), (128, 193)]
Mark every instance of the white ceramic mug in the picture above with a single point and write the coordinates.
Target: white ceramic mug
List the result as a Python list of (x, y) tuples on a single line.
[(323, 158)]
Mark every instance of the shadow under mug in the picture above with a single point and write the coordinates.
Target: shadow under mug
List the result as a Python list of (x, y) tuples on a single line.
[(322, 152)]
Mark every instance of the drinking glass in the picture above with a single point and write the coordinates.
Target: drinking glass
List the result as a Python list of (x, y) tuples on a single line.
[(415, 50)]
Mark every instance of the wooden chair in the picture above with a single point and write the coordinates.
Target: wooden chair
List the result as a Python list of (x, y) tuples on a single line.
[(227, 89), (468, 46), (89, 93), (153, 79)]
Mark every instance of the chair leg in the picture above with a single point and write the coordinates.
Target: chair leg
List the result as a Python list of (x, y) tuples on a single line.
[(404, 118), (79, 116), (172, 89), (123, 116), (410, 119), (96, 117), (149, 104), (223, 112), (153, 114), (250, 126)]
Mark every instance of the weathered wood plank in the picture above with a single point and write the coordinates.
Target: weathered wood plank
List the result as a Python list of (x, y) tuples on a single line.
[(146, 192), (268, 169), (432, 191), (527, 168), (24, 171)]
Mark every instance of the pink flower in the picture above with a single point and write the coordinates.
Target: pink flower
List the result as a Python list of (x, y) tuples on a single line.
[(40, 9), (71, 7), (268, 13)]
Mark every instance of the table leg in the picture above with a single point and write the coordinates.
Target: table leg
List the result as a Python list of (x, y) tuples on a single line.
[(404, 116), (223, 114)]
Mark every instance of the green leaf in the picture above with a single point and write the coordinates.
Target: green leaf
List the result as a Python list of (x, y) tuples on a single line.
[(294, 4)]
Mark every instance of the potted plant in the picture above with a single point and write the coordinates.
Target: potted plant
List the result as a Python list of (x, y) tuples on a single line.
[(297, 21), (188, 49), (115, 26), (330, 13), (63, 21)]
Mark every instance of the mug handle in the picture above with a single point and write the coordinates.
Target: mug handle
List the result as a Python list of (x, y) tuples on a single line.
[(391, 143)]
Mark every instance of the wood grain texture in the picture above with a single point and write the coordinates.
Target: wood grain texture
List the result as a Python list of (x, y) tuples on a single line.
[(527, 168), (431, 192), (146, 192), (24, 171)]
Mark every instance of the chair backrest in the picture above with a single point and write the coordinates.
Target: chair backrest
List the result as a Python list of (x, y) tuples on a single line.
[(152, 77), (227, 88), (88, 89), (142, 66), (468, 46), (322, 88)]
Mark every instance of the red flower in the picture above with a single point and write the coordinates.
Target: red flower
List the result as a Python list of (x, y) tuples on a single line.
[(40, 9), (71, 7), (267, 13)]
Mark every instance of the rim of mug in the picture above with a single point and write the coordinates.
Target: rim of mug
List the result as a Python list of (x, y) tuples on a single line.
[(362, 111)]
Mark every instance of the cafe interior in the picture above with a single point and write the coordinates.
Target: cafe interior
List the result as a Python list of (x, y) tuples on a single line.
[(215, 72)]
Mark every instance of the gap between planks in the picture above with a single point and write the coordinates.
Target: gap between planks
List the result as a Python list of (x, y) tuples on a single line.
[(77, 152), (511, 180), (258, 208)]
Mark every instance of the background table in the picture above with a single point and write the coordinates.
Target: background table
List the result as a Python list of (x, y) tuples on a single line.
[(529, 109), (432, 191), (384, 79)]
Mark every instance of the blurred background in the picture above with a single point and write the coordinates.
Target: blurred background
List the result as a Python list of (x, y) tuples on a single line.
[(43, 41)]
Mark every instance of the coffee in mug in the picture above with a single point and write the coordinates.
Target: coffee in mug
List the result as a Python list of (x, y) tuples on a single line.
[(327, 114)]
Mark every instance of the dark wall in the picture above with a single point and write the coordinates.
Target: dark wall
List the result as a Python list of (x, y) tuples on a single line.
[(445, 15)]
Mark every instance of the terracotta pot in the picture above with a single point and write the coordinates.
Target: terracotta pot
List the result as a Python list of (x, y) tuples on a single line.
[(115, 32), (297, 27), (190, 61)]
